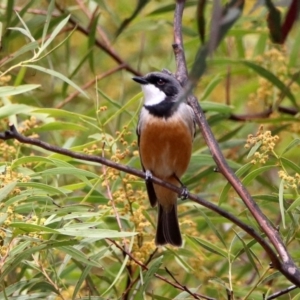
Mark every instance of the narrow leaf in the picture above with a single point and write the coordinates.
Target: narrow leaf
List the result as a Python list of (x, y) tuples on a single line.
[(8, 188), (209, 246), (139, 6), (48, 20), (281, 200), (58, 75), (201, 19), (95, 233), (28, 47), (291, 145), (252, 175), (15, 90), (55, 32), (294, 205), (272, 78), (274, 22)]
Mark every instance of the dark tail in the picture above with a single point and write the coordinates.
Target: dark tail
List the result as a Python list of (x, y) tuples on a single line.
[(168, 231)]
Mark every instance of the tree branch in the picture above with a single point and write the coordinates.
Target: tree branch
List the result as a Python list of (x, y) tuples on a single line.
[(181, 71), (14, 134), (286, 265), (106, 48), (280, 293)]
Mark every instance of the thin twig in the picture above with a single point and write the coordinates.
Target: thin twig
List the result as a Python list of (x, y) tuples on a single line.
[(109, 194), (88, 84), (132, 283), (145, 268), (282, 292), (185, 287)]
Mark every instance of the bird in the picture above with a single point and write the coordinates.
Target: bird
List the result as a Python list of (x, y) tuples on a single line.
[(165, 131)]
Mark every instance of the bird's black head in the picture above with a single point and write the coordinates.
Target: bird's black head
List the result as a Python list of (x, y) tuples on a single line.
[(160, 92)]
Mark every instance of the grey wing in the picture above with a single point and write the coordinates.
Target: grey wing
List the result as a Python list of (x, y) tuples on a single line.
[(190, 119)]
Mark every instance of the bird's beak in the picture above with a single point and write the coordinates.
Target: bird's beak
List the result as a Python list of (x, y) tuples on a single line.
[(140, 80)]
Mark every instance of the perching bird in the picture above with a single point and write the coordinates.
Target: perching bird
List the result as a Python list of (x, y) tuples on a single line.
[(165, 135)]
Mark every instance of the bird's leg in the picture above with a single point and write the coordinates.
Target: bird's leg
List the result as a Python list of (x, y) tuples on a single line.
[(148, 175), (184, 192)]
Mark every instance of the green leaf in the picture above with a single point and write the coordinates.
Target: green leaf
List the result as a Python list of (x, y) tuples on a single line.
[(55, 32), (8, 188), (28, 47), (8, 291), (212, 227), (57, 75), (29, 227), (294, 205), (209, 246), (118, 276), (267, 197), (92, 39), (54, 126), (240, 172), (288, 163), (93, 232), (15, 259), (30, 159), (274, 22), (63, 113), (48, 20), (201, 19), (15, 90), (149, 276), (27, 31), (216, 107), (43, 188), (272, 78), (281, 202), (291, 145), (252, 175), (170, 8), (248, 253), (66, 170), (79, 256), (211, 86), (14, 109), (254, 149)]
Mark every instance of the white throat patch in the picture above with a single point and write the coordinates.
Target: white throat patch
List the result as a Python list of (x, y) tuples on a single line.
[(152, 94)]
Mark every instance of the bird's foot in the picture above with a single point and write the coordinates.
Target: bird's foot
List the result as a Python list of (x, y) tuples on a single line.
[(184, 193), (148, 175)]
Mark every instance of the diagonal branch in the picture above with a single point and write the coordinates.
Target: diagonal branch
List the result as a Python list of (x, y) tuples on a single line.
[(14, 134), (286, 265), (106, 48)]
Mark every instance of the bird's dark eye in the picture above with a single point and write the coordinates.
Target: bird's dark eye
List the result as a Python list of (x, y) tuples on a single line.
[(160, 82)]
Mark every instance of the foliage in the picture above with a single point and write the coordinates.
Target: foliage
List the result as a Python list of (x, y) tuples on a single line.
[(65, 78)]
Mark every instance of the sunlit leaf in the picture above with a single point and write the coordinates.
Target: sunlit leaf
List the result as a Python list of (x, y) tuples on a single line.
[(15, 90), (281, 201)]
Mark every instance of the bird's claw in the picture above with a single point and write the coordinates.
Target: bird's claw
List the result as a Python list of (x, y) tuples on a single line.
[(148, 175), (184, 193)]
